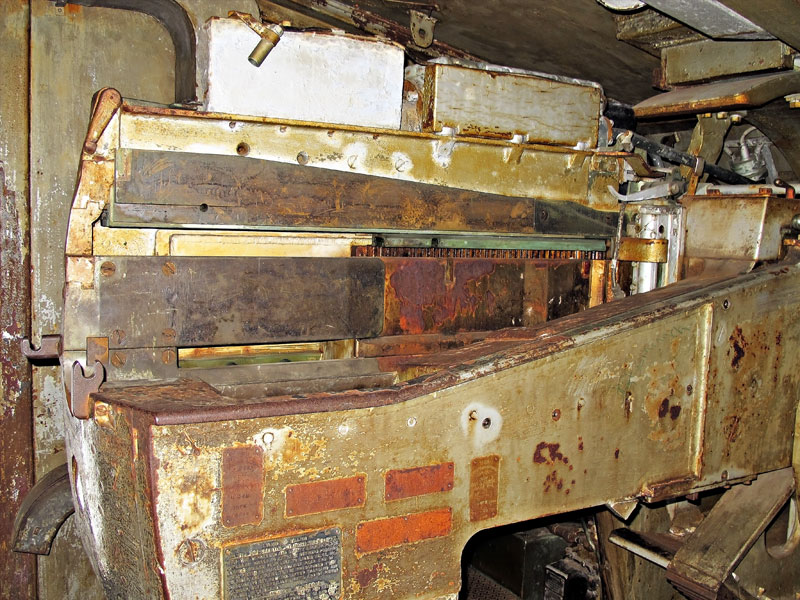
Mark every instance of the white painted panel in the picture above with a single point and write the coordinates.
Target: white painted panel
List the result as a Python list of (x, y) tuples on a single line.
[(324, 77)]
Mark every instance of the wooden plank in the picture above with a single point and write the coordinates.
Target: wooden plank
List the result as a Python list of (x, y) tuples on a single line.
[(175, 188), (163, 189), (224, 301), (711, 553)]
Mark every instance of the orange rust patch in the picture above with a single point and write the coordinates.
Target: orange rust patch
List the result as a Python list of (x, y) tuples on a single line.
[(418, 481), (324, 496), (242, 486), (372, 536), (484, 476)]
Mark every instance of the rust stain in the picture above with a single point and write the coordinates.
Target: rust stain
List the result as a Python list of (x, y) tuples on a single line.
[(418, 481), (674, 411), (484, 481), (663, 408), (738, 346), (242, 486), (616, 453), (731, 428), (450, 295), (372, 536), (553, 481), (324, 496), (364, 577), (548, 454)]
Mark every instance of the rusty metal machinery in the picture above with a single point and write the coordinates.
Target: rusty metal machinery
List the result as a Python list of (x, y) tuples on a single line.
[(313, 360)]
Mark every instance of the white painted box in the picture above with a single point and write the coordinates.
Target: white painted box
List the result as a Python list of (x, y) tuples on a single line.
[(309, 76)]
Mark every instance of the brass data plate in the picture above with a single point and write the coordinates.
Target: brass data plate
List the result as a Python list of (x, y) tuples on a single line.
[(300, 566)]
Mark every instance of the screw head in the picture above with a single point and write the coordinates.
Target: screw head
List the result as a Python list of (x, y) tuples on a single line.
[(118, 359), (191, 550), (108, 268)]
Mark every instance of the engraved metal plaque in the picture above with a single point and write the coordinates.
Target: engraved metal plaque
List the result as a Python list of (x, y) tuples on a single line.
[(288, 568)]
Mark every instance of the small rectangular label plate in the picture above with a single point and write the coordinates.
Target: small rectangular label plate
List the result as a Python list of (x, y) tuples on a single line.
[(372, 536), (405, 483), (323, 496), (287, 568), (242, 486), (483, 487)]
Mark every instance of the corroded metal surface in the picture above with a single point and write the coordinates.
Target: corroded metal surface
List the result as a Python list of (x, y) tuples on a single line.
[(450, 295), (675, 374), (722, 95), (17, 572), (418, 481), (242, 485), (325, 496), (43, 511), (380, 534), (743, 227)]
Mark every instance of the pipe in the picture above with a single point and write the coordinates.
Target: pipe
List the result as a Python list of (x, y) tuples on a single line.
[(681, 158)]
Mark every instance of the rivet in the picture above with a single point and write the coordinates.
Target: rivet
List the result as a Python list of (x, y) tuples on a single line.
[(108, 268), (689, 389), (302, 158), (726, 304), (118, 336), (487, 422), (243, 149), (556, 415), (411, 421), (169, 333)]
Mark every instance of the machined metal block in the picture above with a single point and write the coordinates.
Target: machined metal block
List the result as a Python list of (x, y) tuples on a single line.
[(324, 77), (501, 104)]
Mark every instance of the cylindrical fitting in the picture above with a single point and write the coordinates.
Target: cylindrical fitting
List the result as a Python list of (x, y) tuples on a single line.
[(269, 39)]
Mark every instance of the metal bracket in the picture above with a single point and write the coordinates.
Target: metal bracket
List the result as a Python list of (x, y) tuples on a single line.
[(422, 28), (660, 190), (83, 387), (49, 348), (44, 509)]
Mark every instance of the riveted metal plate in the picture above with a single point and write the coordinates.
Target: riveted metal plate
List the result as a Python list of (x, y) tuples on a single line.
[(483, 487), (418, 481), (372, 536), (242, 486), (300, 566), (324, 496)]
